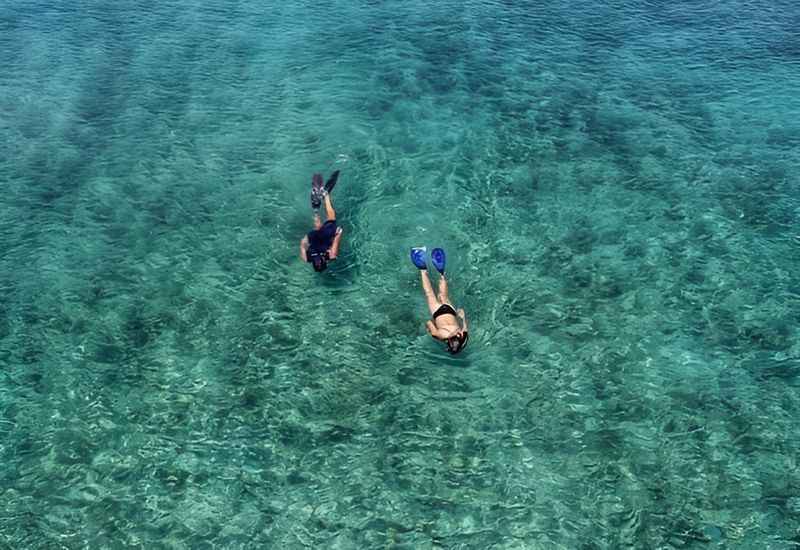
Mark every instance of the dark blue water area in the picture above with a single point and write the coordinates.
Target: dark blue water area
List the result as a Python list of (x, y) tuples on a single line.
[(615, 184)]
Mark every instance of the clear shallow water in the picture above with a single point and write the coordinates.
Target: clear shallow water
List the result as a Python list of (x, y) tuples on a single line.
[(617, 190)]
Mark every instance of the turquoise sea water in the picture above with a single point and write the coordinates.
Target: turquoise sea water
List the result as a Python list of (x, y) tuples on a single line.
[(616, 185)]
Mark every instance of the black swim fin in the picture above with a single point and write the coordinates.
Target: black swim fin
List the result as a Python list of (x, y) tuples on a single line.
[(331, 183), (316, 191)]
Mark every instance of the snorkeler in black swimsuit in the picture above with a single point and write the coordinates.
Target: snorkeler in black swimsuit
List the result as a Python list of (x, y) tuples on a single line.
[(444, 324), (322, 244)]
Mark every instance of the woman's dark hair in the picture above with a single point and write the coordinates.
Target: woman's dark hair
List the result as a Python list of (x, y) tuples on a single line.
[(457, 343)]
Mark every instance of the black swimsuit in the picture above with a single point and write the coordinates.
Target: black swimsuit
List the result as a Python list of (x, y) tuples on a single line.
[(321, 240), (444, 309)]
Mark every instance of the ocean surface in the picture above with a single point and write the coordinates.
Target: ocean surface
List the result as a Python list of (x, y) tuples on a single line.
[(616, 185)]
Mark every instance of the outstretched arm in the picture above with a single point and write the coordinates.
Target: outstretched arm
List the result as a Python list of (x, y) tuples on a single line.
[(303, 247), (463, 317), (432, 330), (334, 250)]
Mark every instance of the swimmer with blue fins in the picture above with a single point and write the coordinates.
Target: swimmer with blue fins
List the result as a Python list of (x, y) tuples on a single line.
[(321, 245), (446, 324)]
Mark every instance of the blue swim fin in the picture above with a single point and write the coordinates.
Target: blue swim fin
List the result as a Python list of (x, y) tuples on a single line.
[(418, 257), (438, 259)]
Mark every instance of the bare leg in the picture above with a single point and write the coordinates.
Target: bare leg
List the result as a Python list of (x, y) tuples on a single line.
[(443, 296), (329, 211), (317, 220), (433, 304)]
